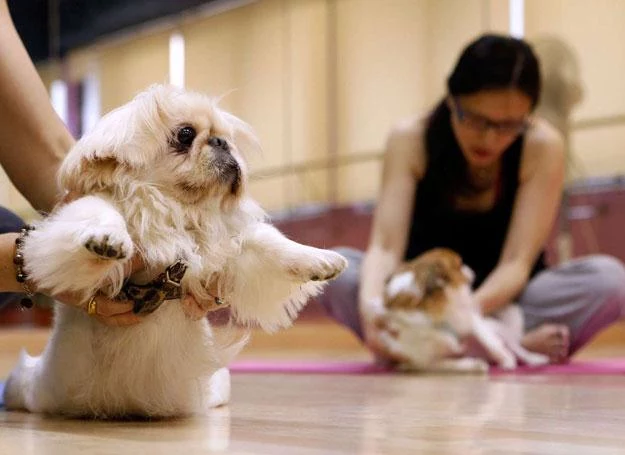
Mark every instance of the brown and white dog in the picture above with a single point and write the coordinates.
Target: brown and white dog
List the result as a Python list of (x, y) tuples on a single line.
[(432, 313)]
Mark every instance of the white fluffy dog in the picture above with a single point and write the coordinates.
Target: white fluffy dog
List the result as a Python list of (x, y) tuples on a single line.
[(162, 177)]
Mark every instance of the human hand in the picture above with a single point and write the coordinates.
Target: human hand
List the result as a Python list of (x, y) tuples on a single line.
[(108, 311), (116, 312), (380, 335), (195, 308)]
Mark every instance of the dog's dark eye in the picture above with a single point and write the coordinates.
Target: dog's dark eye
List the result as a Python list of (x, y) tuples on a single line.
[(186, 135)]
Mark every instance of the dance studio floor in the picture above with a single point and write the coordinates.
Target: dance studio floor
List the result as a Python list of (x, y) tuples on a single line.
[(310, 412)]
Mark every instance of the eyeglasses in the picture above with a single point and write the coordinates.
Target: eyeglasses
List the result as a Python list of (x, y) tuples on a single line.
[(480, 123)]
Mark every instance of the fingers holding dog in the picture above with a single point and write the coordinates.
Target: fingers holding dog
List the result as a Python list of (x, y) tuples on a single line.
[(112, 312), (193, 308), (381, 334), (105, 310), (119, 320), (196, 308)]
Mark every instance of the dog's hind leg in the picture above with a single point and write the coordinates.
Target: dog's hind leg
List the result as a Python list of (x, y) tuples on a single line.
[(24, 389), (219, 388), (19, 386)]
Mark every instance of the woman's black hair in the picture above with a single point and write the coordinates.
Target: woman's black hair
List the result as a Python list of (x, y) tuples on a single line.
[(490, 62), (495, 62)]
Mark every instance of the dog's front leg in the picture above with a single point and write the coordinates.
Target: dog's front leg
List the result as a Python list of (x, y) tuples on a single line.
[(493, 344), (80, 248), (274, 276), (533, 359), (509, 333), (301, 263)]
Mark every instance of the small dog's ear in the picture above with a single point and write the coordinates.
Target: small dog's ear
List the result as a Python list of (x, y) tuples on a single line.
[(436, 278), (123, 138), (245, 138), (88, 175), (403, 290), (84, 171), (404, 300), (468, 273)]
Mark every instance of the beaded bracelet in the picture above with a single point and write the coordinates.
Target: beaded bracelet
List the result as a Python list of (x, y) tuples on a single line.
[(20, 275)]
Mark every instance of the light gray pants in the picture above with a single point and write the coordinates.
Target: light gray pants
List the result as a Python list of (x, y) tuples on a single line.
[(586, 294)]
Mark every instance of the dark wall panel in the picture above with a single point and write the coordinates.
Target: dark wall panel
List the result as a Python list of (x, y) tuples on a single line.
[(84, 21)]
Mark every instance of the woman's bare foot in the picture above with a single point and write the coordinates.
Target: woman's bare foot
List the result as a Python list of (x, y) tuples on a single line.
[(550, 339)]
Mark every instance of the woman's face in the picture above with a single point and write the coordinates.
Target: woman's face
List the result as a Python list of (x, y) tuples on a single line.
[(485, 123)]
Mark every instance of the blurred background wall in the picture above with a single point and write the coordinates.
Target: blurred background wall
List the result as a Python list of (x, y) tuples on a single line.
[(595, 32), (322, 81)]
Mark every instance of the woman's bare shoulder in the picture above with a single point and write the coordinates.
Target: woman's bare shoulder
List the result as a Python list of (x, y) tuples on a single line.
[(544, 145), (406, 143), (543, 134)]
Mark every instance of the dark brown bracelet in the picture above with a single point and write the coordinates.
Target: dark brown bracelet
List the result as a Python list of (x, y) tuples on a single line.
[(20, 274)]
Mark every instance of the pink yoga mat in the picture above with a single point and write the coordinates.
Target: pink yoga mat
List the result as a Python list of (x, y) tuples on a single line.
[(591, 367)]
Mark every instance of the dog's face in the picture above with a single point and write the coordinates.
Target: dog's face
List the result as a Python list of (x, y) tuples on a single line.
[(421, 283), (176, 140)]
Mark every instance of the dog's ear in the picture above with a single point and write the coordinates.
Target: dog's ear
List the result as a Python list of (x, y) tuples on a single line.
[(246, 143), (243, 134), (468, 273), (403, 289), (120, 141), (87, 174), (436, 278), (403, 300)]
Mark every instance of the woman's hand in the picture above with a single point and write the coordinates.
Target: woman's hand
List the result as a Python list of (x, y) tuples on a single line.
[(196, 309), (108, 311), (114, 312), (119, 312), (379, 335)]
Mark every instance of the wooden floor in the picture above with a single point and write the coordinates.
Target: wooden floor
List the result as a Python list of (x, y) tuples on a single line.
[(350, 414)]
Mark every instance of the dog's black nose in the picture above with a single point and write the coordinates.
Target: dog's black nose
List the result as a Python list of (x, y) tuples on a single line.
[(219, 143)]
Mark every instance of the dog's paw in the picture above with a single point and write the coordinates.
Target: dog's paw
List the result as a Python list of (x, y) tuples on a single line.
[(109, 246), (473, 365), (534, 359), (461, 365), (219, 388), (507, 362), (323, 265)]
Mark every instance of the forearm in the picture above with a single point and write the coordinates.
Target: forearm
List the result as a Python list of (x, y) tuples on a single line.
[(377, 266), (8, 283), (38, 140), (501, 286)]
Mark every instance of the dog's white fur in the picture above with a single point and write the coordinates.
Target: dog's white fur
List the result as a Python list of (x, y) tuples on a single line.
[(145, 193), (427, 346)]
